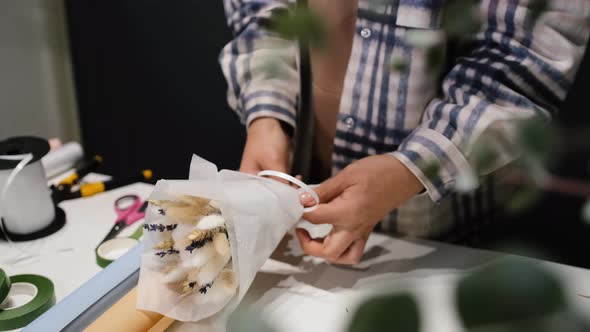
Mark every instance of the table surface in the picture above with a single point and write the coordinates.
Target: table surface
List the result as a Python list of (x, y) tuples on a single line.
[(295, 292)]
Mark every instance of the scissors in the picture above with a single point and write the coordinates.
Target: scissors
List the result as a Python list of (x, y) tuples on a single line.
[(129, 209)]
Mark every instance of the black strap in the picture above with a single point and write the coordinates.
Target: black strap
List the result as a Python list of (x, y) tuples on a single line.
[(305, 121)]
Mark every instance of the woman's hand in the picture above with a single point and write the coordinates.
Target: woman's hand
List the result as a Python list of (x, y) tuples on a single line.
[(267, 147), (354, 201)]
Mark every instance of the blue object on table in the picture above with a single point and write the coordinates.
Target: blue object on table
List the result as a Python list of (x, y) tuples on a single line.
[(84, 305)]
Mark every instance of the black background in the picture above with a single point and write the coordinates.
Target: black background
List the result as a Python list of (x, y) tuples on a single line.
[(151, 93), (150, 90)]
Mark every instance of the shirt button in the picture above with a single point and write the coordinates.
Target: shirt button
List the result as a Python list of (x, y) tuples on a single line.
[(349, 122), (366, 33)]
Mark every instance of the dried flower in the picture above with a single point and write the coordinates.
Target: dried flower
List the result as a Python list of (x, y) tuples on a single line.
[(166, 244)]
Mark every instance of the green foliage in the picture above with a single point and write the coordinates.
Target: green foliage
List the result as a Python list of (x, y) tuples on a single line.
[(461, 18), (537, 139), (397, 312), (509, 291), (435, 57), (399, 65), (483, 155), (302, 24), (524, 197), (430, 169)]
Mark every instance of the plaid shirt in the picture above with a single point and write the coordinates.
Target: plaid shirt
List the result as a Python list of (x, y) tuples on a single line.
[(513, 69)]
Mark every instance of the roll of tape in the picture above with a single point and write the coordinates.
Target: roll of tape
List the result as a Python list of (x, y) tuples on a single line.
[(112, 249), (43, 297), (60, 160), (4, 285), (24, 186)]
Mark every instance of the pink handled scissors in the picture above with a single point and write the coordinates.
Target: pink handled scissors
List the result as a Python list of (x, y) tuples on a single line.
[(129, 209)]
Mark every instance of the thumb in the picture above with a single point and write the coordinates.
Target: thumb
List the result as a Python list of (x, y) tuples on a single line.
[(331, 188)]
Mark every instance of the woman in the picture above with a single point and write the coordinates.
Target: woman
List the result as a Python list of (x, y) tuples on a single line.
[(378, 131)]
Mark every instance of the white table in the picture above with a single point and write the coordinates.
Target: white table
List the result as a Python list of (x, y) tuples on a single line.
[(296, 292), (67, 257), (300, 293)]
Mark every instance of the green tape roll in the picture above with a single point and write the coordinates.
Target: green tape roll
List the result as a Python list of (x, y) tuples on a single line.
[(27, 284), (102, 262), (112, 249), (4, 285)]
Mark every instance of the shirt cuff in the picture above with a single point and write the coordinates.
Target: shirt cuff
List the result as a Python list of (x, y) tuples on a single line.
[(434, 160), (269, 104)]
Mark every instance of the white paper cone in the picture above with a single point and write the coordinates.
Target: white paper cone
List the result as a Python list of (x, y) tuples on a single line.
[(258, 212)]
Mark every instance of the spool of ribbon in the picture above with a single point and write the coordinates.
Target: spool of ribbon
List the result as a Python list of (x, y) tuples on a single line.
[(62, 159), (112, 249), (40, 290), (25, 201)]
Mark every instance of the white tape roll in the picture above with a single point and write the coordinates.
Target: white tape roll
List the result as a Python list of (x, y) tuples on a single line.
[(25, 201), (62, 159)]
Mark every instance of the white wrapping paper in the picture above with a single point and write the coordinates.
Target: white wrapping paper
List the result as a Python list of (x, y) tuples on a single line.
[(258, 213)]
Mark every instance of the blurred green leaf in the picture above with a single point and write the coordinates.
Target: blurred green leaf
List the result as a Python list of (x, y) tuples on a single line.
[(424, 39), (538, 139), (394, 312), (462, 18), (523, 198), (513, 289), (483, 156), (245, 319), (430, 169), (399, 65), (300, 24), (563, 322), (435, 57), (275, 69)]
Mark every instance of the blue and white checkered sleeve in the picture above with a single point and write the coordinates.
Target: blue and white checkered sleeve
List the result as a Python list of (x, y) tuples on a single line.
[(260, 67), (517, 69)]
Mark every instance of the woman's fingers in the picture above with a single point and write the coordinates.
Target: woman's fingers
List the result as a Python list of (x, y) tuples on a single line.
[(353, 254), (330, 248)]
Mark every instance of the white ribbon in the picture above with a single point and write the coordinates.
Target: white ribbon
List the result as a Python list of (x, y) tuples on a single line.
[(301, 184), (24, 160)]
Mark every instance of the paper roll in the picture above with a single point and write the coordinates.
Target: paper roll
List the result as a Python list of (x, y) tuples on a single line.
[(62, 159), (26, 205), (124, 317)]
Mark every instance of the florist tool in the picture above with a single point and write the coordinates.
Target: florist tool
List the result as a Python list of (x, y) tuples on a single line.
[(63, 189), (81, 171), (89, 189), (62, 193), (110, 250), (129, 209), (62, 159)]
